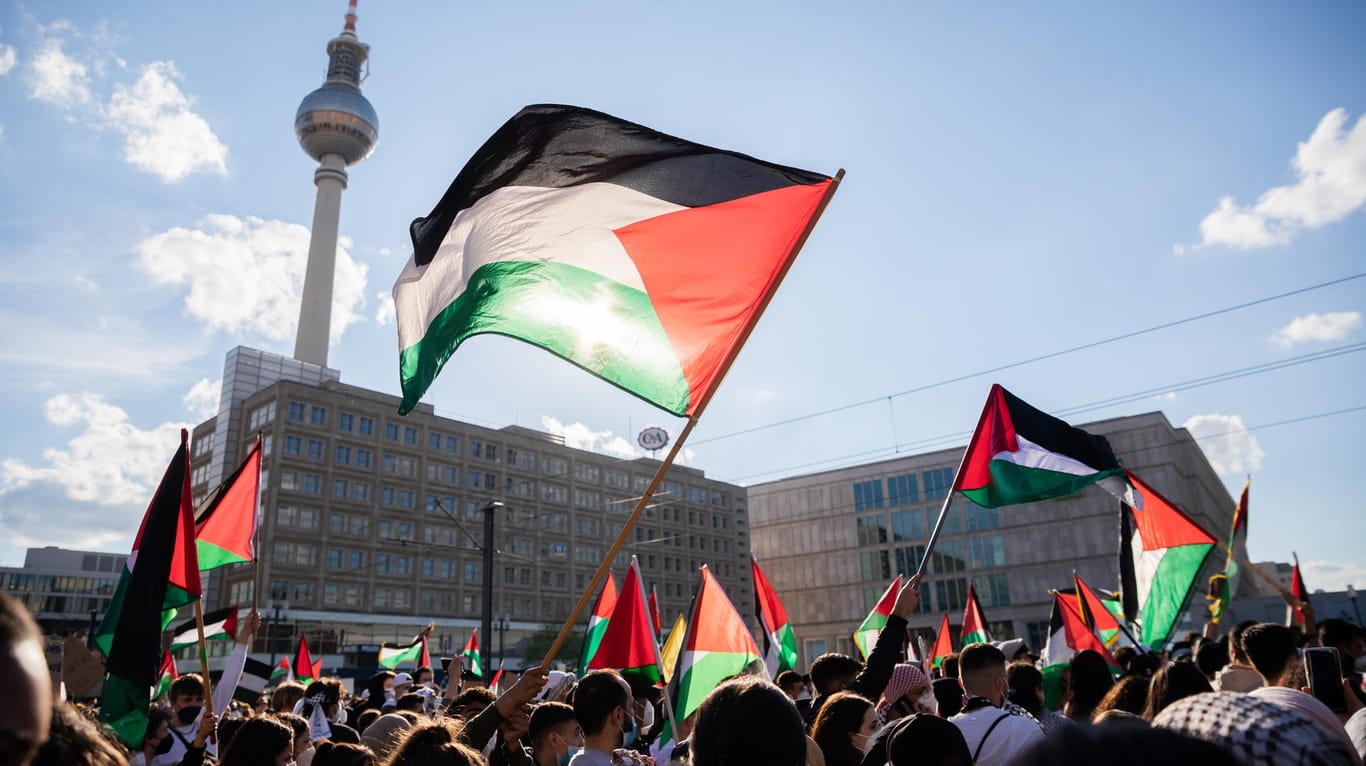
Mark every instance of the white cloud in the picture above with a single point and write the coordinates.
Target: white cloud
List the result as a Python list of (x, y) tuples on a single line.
[(1331, 185), (7, 59), (57, 78), (385, 314), (580, 436), (111, 462), (202, 398), (1226, 443), (161, 134), (246, 274), (1331, 576), (1317, 327)]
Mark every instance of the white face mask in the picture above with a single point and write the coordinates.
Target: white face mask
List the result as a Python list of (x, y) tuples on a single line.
[(340, 718), (927, 703), (647, 718)]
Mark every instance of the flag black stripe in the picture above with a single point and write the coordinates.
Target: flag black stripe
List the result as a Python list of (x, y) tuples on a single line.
[(1056, 435), (556, 146)]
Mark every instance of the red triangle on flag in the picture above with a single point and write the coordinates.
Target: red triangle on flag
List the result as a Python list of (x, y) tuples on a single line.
[(303, 662), (943, 644), (1161, 524), (1079, 636), (628, 645)]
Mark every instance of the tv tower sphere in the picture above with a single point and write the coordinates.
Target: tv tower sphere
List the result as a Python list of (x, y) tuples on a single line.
[(336, 118)]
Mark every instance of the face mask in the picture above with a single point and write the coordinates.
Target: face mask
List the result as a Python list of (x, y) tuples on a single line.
[(388, 695), (647, 718), (186, 715), (563, 759), (927, 703), (341, 715), (628, 732), (165, 746)]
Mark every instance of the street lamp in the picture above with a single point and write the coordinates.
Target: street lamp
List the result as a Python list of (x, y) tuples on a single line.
[(486, 621), (502, 626), (1352, 594), (278, 607)]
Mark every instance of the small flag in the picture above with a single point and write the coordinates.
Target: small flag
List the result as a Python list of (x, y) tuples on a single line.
[(654, 615), (1161, 552), (497, 676), (393, 655), (1298, 590), (471, 661), (168, 674), (597, 620), (303, 663), (628, 645), (226, 525), (425, 661), (255, 676), (1223, 587), (780, 643), (943, 644), (638, 256), (1067, 635), (218, 625), (974, 628), (1020, 454), (669, 654), (1099, 617), (866, 635), (283, 670)]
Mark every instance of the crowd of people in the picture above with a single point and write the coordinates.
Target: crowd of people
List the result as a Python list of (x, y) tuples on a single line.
[(1237, 699)]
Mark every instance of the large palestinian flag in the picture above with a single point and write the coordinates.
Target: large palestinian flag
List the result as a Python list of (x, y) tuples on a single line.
[(717, 646), (628, 645), (780, 643), (598, 620), (1019, 454), (226, 522), (163, 559), (866, 635), (974, 630), (635, 255), (1161, 552)]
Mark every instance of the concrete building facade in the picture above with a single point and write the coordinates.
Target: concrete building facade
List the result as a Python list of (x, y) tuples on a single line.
[(830, 542), (66, 590)]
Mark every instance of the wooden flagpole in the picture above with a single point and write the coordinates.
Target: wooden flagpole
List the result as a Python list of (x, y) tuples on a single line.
[(203, 655), (606, 563), (256, 539)]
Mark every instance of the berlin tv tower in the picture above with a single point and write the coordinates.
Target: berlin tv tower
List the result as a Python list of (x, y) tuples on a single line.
[(338, 127)]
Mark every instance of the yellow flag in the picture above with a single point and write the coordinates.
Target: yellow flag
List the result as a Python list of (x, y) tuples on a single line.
[(671, 647)]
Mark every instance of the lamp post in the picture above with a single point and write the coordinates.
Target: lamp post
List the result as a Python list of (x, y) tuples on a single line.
[(502, 626), (1352, 595), (486, 621), (272, 633)]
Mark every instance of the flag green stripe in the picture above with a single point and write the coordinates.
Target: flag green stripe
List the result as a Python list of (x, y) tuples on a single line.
[(601, 325), (391, 658), (1011, 484), (1171, 584), (124, 708), (706, 673), (787, 648), (104, 634), (975, 637), (212, 556), (591, 641), (648, 673)]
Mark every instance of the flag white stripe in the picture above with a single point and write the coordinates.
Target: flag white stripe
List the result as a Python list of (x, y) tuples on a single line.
[(1031, 455)]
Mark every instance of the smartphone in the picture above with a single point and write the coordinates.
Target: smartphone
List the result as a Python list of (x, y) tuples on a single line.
[(446, 664), (1323, 668)]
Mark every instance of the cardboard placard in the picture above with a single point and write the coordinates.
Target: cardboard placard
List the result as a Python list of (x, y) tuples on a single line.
[(81, 668)]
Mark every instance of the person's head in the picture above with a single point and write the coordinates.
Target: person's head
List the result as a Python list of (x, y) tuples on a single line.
[(187, 698), (1258, 732), (1175, 681), (286, 695), (982, 672), (383, 735), (367, 717), (949, 666), (949, 695), (410, 701), (790, 682), (299, 727), (925, 740), (26, 710), (1271, 649), (1210, 657), (603, 705), (749, 720), (423, 676), (403, 683), (1129, 694), (261, 741), (430, 744), (470, 703), (1348, 639), (158, 737), (1026, 686), (73, 740), (555, 733), (328, 691), (832, 672), (843, 726), (1123, 742), (380, 686), (1088, 682), (907, 692), (1123, 654), (227, 729), (343, 754), (1235, 643)]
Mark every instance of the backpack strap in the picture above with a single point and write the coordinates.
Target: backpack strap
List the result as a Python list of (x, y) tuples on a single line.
[(990, 729)]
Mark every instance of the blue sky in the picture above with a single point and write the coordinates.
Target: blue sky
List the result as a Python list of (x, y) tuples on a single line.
[(1021, 179)]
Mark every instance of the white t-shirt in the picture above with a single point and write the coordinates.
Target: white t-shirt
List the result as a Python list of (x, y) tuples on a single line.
[(1011, 736)]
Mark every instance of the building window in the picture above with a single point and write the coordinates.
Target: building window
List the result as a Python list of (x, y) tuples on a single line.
[(317, 416), (949, 557), (360, 492), (343, 455), (903, 490), (867, 495), (936, 482), (313, 484), (953, 594), (433, 440), (346, 421), (303, 592), (339, 488), (871, 529), (875, 565), (992, 589), (294, 445), (409, 435), (315, 449), (906, 525), (297, 410), (366, 426), (335, 556), (365, 458), (391, 431), (355, 559), (554, 466), (908, 558), (471, 572), (982, 519), (261, 416), (289, 480), (987, 552), (453, 444)]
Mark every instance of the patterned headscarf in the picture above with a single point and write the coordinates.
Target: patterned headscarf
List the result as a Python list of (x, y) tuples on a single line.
[(1258, 732), (905, 677)]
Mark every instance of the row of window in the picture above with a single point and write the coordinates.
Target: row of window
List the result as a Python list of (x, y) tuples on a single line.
[(17, 581), (905, 489), (914, 523)]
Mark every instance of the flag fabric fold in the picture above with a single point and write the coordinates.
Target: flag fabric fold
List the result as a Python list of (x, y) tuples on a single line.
[(163, 560), (392, 655), (1096, 615), (974, 628), (635, 255), (669, 652), (598, 619), (303, 670), (167, 674), (866, 635), (718, 645), (780, 643), (1299, 591), (654, 616), (943, 644), (628, 645), (225, 528), (219, 625), (256, 675), (1020, 454)]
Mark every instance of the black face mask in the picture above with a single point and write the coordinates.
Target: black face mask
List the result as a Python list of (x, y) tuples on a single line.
[(165, 746), (186, 715)]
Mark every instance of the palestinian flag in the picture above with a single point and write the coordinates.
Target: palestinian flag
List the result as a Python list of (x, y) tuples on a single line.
[(1019, 454), (303, 669), (943, 644), (218, 625), (471, 661), (635, 255), (717, 646), (163, 559), (1223, 587), (780, 643), (598, 618), (628, 645), (393, 655), (654, 616), (1161, 552), (866, 635), (255, 676), (669, 653), (974, 628), (1067, 635), (497, 676), (283, 670), (1097, 615), (182, 581), (226, 522), (1298, 590), (168, 674)]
